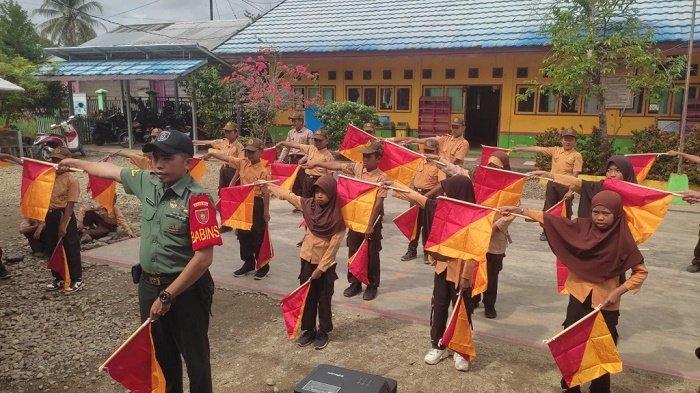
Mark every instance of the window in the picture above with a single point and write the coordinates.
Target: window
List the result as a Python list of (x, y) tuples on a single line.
[(348, 75), (527, 106), (521, 72), (568, 104), (456, 95), (332, 75), (367, 75), (547, 103), (299, 97), (450, 73), (432, 91), (328, 94), (591, 105), (497, 72), (354, 94), (386, 74), (386, 102), (678, 99), (473, 73), (403, 98), (369, 96), (427, 73), (312, 93), (659, 106), (408, 74), (637, 105)]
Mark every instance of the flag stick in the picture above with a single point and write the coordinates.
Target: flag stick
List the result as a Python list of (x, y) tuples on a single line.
[(50, 163), (376, 184), (484, 207), (505, 171), (497, 148), (261, 182), (595, 310), (644, 154), (128, 340)]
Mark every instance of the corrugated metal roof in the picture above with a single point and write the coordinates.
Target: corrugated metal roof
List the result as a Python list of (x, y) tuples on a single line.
[(160, 69), (379, 25), (208, 34)]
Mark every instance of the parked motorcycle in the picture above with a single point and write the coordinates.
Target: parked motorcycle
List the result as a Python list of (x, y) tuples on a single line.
[(68, 137)]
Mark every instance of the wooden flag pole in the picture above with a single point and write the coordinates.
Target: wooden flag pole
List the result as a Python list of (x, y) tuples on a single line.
[(505, 171), (595, 310), (49, 163), (484, 207), (497, 148), (128, 340), (261, 182), (644, 154), (375, 184)]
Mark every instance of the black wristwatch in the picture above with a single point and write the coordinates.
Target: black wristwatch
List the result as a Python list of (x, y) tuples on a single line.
[(165, 297)]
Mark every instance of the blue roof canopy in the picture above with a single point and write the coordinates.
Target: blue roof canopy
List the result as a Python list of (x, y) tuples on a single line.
[(144, 69), (313, 26)]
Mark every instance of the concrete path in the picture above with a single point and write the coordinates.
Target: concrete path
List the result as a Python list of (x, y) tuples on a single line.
[(659, 326)]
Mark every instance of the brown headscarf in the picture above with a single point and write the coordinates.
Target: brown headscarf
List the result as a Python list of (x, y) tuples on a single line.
[(503, 158), (594, 255), (323, 221), (590, 188)]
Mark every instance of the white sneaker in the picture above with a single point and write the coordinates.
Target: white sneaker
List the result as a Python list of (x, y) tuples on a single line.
[(461, 364), (435, 355)]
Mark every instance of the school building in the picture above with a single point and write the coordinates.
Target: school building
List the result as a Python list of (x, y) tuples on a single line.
[(421, 62)]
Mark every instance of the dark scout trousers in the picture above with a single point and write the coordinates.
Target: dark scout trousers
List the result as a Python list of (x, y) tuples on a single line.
[(375, 246), (444, 294), (71, 242), (250, 241), (318, 301)]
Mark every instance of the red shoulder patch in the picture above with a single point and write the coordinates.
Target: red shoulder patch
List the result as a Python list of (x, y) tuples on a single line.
[(204, 228)]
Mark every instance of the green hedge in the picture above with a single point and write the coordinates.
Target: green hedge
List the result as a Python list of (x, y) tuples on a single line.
[(654, 140)]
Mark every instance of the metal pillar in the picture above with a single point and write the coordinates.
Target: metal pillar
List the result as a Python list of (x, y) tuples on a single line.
[(684, 114), (126, 87), (193, 101), (176, 93), (70, 98)]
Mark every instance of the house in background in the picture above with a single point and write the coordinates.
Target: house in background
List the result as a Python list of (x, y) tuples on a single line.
[(416, 60)]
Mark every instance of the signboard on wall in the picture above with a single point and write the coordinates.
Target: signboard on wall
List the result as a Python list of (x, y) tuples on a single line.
[(80, 104), (617, 94)]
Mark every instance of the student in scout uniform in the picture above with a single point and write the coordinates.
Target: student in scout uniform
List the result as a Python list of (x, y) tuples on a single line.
[(690, 197), (178, 235), (97, 222), (368, 171), (31, 229), (141, 161), (428, 175), (452, 148), (324, 233), (617, 167), (251, 169), (369, 128), (598, 251), (565, 161), (230, 146), (452, 276), (299, 135), (317, 153)]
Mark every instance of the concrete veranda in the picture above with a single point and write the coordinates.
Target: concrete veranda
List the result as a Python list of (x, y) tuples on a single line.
[(658, 326)]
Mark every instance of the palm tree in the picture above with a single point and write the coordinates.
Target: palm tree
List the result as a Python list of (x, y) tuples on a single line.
[(68, 22)]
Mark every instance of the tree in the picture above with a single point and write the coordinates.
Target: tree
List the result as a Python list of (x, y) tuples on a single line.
[(337, 115), (594, 39), (69, 22), (215, 98), (18, 70), (266, 88), (17, 34)]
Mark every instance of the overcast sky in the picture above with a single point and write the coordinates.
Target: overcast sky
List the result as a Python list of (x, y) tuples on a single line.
[(150, 11)]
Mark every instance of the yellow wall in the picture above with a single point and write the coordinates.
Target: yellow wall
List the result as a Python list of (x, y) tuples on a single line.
[(510, 122)]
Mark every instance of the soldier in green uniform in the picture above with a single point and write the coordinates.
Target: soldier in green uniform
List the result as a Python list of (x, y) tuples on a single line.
[(178, 232)]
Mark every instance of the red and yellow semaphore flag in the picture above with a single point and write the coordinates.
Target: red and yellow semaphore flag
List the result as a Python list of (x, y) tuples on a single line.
[(460, 230), (357, 198), (399, 163), (642, 164), (486, 153), (293, 308), (37, 183), (134, 364), (236, 206), (358, 265), (103, 191), (458, 334), (644, 207), (497, 187), (198, 168), (354, 141), (559, 210), (266, 252), (585, 350), (407, 222), (285, 173), (58, 263), (268, 156)]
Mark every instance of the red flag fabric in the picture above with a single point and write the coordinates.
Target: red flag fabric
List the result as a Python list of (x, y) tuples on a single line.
[(134, 364), (357, 200), (198, 168), (486, 153), (399, 163), (293, 308), (642, 163), (266, 252), (559, 209), (407, 222), (458, 333), (58, 263), (355, 139), (37, 183), (103, 191), (497, 187), (236, 206), (285, 173), (268, 156), (358, 265)]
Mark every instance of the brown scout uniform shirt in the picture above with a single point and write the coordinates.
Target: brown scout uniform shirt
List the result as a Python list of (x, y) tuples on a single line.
[(116, 218), (65, 189), (315, 155), (375, 176), (428, 175), (231, 149), (141, 161), (564, 162), (249, 172), (451, 148)]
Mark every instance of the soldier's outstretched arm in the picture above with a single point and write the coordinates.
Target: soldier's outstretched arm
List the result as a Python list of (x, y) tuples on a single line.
[(106, 170)]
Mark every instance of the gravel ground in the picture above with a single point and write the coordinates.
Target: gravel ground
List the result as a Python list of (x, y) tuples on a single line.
[(55, 342)]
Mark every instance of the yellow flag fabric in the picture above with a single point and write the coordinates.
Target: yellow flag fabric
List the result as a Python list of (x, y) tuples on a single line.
[(37, 183), (357, 200)]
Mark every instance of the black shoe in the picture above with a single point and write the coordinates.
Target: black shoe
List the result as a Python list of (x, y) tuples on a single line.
[(225, 229), (370, 293), (321, 340), (543, 237), (306, 338), (55, 285), (75, 286), (244, 270), (262, 272), (4, 274), (693, 267), (409, 255), (352, 290), (490, 312)]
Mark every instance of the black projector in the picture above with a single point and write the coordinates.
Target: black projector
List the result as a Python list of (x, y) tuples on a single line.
[(331, 379)]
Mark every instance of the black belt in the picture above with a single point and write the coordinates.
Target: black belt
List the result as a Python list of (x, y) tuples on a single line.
[(159, 279)]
